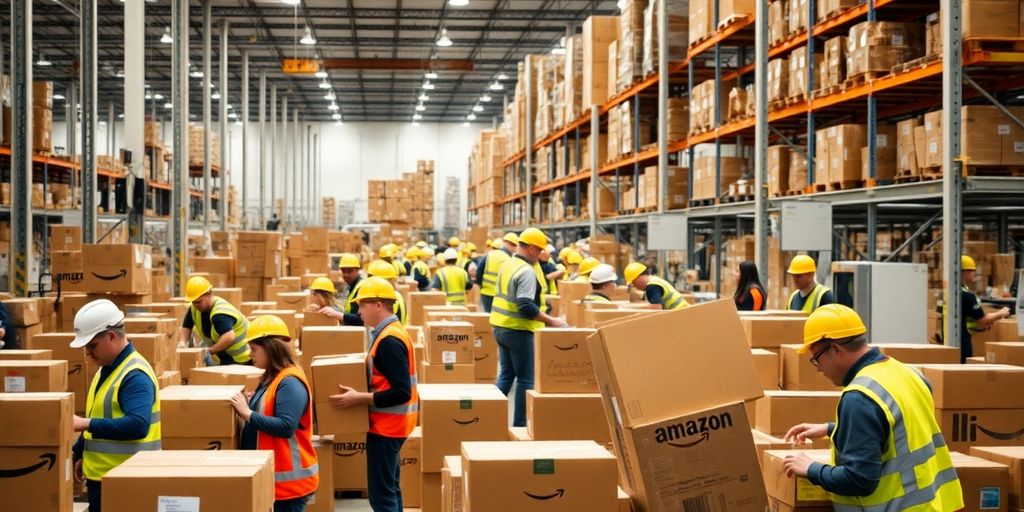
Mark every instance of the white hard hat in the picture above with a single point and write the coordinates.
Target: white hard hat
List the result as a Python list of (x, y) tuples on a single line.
[(94, 318), (550, 249), (603, 273), (451, 254)]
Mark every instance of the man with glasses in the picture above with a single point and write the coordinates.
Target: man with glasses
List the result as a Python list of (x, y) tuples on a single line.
[(887, 450), (123, 405), (220, 325)]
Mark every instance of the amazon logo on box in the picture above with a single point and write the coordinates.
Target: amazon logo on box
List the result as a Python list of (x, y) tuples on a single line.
[(117, 268)]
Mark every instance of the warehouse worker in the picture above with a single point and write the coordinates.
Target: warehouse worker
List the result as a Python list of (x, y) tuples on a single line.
[(809, 295), (454, 242), (656, 290), (221, 326), (386, 271), (467, 258), (572, 262), (586, 267), (492, 261), (551, 270), (278, 415), (8, 335), (888, 453), (387, 252), (420, 271), (749, 294), (452, 279), (323, 299), (518, 311), (350, 273), (974, 317), (122, 409), (393, 399), (602, 282)]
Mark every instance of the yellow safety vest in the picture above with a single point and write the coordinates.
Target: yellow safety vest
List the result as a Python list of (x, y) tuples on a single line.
[(504, 311), (492, 263), (917, 471), (239, 349), (102, 455), (553, 284), (461, 261), (972, 324), (813, 300), (399, 267), (670, 298), (350, 302), (595, 297), (399, 309), (453, 283), (422, 268)]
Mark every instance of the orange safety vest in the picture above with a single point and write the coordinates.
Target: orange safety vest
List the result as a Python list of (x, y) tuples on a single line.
[(397, 421), (296, 472)]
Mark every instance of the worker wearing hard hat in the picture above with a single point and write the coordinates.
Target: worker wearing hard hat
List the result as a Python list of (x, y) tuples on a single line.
[(386, 271), (602, 282), (420, 271), (323, 299), (467, 258), (809, 295), (572, 262), (392, 399), (586, 267), (452, 279), (278, 415), (974, 318), (389, 253), (220, 325), (551, 270), (519, 310), (122, 409), (887, 450), (350, 274), (656, 290), (502, 250)]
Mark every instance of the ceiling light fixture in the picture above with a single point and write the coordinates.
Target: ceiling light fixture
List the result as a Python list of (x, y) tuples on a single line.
[(196, 72), (333, 106), (338, 123), (120, 73), (232, 115), (325, 85), (471, 117), (444, 41), (336, 116), (291, 2), (238, 122), (149, 96), (166, 38), (320, 74), (458, 3), (229, 106), (158, 96), (417, 117), (496, 86), (478, 108), (415, 123), (168, 105), (485, 98), (308, 38), (330, 96), (42, 62), (424, 97), (558, 50), (502, 76), (427, 86), (420, 107), (215, 95), (121, 115), (430, 75), (58, 96)]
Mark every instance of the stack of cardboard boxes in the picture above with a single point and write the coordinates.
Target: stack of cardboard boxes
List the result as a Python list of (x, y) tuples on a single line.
[(485, 347), (196, 150), (347, 426), (972, 405), (37, 439), (259, 261), (733, 167), (565, 403), (449, 353), (406, 201), (875, 47), (678, 27)]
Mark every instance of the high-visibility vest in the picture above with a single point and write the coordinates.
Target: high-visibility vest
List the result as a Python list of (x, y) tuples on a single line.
[(813, 300), (670, 298), (397, 421), (917, 471), (461, 261), (296, 470), (399, 309), (422, 269), (238, 349), (453, 283), (504, 311), (399, 267), (102, 455), (972, 324), (350, 302), (595, 297), (492, 263), (553, 284)]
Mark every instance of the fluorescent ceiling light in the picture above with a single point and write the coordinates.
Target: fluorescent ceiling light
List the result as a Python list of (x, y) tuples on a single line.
[(423, 97), (420, 108), (502, 76), (196, 72), (307, 38), (291, 2), (325, 85), (121, 115), (238, 122), (232, 115), (496, 86), (158, 96), (485, 98), (444, 41), (166, 38), (558, 51), (58, 96), (430, 75), (427, 86), (336, 116), (330, 96), (168, 105), (478, 108), (333, 106), (458, 3), (120, 73), (42, 62), (321, 74), (471, 117), (417, 117), (215, 95)]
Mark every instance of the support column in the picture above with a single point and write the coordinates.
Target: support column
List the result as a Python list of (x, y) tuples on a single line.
[(760, 141), (245, 140), (111, 150), (72, 121), (179, 116), (952, 188), (272, 142), (21, 142), (595, 166), (261, 216), (872, 231), (663, 80), (528, 156), (284, 172), (87, 72), (309, 183), (296, 172), (222, 204), (204, 85), (135, 114)]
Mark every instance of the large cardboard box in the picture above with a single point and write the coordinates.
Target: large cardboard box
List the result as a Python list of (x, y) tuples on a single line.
[(985, 484), (565, 416), (37, 437), (562, 362), (598, 33), (410, 469), (418, 300), (59, 345), (767, 367), (538, 475), (336, 340), (1005, 352), (920, 353), (227, 375), (200, 413), (449, 343), (292, 300), (485, 356), (328, 372), (446, 373), (780, 410), (799, 374), (23, 312), (773, 331), (323, 499), (117, 268), (990, 18), (795, 492), (454, 413), (349, 462), (25, 355), (451, 484), (975, 386), (189, 359), (1013, 458), (430, 490), (65, 238), (966, 428), (34, 376)]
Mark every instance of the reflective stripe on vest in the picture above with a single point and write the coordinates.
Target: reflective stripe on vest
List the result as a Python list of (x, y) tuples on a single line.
[(399, 267), (596, 297), (102, 455), (972, 324), (296, 469), (399, 309), (504, 311), (239, 349), (670, 298), (350, 302), (917, 470), (813, 300), (553, 284), (453, 283), (492, 263), (396, 421)]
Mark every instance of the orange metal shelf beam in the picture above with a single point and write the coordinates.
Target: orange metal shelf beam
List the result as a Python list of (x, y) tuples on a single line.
[(558, 134), (514, 158), (720, 36)]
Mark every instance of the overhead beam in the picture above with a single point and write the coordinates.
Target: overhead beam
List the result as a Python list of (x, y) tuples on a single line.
[(399, 64), (267, 11)]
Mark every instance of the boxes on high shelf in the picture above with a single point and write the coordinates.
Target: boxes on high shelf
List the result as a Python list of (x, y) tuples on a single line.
[(778, 79), (989, 137), (798, 63), (844, 144), (678, 120), (737, 105), (990, 18), (797, 171), (906, 153), (878, 46), (37, 426), (631, 42), (678, 26), (117, 268), (702, 23), (933, 139), (933, 34), (826, 8), (65, 238), (798, 13), (778, 169), (778, 25), (885, 154)]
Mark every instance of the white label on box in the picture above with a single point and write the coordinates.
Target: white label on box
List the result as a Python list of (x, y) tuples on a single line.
[(448, 357), (148, 261), (1003, 129), (478, 342), (177, 504), (1018, 147), (882, 140), (933, 147), (14, 384)]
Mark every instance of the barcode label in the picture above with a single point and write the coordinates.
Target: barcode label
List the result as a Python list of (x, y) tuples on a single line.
[(701, 503)]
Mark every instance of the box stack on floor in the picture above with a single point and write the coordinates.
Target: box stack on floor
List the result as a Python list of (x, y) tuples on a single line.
[(406, 202)]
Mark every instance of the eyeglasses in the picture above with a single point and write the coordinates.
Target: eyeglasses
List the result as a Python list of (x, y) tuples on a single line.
[(817, 355)]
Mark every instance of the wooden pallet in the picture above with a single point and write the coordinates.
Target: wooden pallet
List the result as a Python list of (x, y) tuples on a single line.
[(826, 91), (737, 198), (993, 44), (795, 192), (915, 178), (702, 202), (862, 78), (995, 170), (797, 98), (776, 105), (916, 63), (731, 20), (845, 185), (820, 187)]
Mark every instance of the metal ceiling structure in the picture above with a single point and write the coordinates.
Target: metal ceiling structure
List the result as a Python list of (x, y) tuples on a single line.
[(494, 35)]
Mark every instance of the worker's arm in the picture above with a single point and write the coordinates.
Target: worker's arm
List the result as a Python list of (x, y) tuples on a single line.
[(828, 298), (653, 294), (226, 325), (392, 360), (436, 284), (185, 332), (972, 309), (136, 396), (480, 267), (422, 281), (5, 323), (863, 433), (993, 317), (353, 318), (526, 301), (290, 404)]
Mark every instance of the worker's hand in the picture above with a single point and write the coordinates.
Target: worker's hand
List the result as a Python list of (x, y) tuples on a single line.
[(241, 406), (1005, 312), (79, 475), (331, 312), (3, 332), (311, 308), (804, 432), (796, 465), (349, 397), (80, 424)]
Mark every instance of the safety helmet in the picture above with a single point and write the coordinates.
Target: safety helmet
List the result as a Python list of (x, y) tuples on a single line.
[(454, 242), (413, 254), (497, 243), (967, 263), (802, 264), (196, 287), (588, 265), (426, 253), (831, 321), (511, 238), (421, 244), (323, 284), (382, 269), (348, 260), (450, 254), (633, 270), (573, 257), (376, 288), (267, 325), (386, 251), (603, 274), (94, 318), (563, 252), (469, 248), (534, 237)]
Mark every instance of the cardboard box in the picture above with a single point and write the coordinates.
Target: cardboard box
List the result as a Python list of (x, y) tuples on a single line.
[(1005, 352), (336, 340), (799, 374), (25, 355), (773, 331), (189, 359), (318, 320), (65, 238), (780, 410), (990, 18), (418, 300), (449, 343), (430, 490), (292, 300), (328, 372), (453, 413), (323, 499), (965, 428), (410, 469), (519, 434), (565, 417), (485, 356), (920, 353), (511, 476), (985, 483), (227, 375), (28, 376), (37, 434), (767, 363), (23, 312), (796, 492), (562, 362), (151, 347), (446, 373), (451, 484), (117, 268), (198, 412), (1013, 458), (349, 462), (957, 386)]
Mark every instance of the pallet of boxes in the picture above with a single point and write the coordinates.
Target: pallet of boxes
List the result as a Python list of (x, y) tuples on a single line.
[(259, 261)]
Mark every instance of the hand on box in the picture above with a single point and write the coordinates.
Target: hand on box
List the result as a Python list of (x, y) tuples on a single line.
[(241, 406), (1005, 312), (80, 424), (331, 312), (349, 397), (804, 432), (796, 465), (79, 475)]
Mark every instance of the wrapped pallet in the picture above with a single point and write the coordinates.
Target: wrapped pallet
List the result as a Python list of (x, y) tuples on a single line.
[(797, 170), (832, 72), (631, 42), (778, 24), (875, 47), (678, 26), (778, 170), (798, 63), (678, 118), (827, 8), (701, 19), (737, 108), (572, 76), (778, 79), (797, 16), (598, 33)]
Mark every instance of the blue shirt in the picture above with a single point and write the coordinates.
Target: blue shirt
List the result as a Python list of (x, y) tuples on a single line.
[(826, 298), (135, 396), (10, 335), (290, 405)]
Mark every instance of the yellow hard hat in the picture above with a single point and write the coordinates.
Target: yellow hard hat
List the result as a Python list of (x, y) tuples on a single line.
[(348, 260), (573, 257), (426, 253), (497, 243), (469, 248), (376, 288), (831, 321), (564, 252), (967, 263), (383, 269), (633, 270), (588, 265), (534, 237), (413, 254), (421, 244), (267, 325), (511, 238), (454, 241), (196, 287), (802, 264), (386, 251), (323, 284)]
